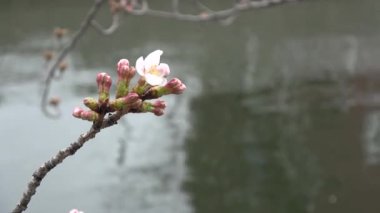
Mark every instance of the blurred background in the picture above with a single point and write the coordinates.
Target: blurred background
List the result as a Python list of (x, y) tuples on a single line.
[(281, 114)]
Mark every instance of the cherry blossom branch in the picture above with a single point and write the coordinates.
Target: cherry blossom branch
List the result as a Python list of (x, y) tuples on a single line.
[(210, 15), (139, 8), (42, 171), (51, 72), (111, 29), (104, 112)]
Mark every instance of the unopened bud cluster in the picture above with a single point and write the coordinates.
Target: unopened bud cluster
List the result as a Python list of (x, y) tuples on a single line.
[(152, 84)]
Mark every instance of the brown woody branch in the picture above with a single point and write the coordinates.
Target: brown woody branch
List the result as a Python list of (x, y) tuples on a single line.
[(42, 171), (141, 7), (210, 15), (52, 70), (111, 29)]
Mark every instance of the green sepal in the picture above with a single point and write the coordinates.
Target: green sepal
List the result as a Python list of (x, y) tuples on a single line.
[(117, 104), (122, 88), (103, 97), (91, 103)]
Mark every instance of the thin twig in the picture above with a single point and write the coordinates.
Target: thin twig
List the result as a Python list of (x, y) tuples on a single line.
[(141, 7), (111, 29), (211, 16), (83, 28), (42, 171)]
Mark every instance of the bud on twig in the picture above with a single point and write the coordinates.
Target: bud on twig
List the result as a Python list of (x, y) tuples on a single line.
[(125, 74), (48, 55), (54, 101), (156, 108), (152, 84), (141, 87), (104, 84), (91, 103), (174, 86), (60, 32), (159, 107), (131, 101), (85, 115), (114, 6), (123, 68), (62, 66)]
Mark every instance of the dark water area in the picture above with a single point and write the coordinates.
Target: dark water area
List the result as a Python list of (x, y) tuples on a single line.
[(281, 114), (306, 158)]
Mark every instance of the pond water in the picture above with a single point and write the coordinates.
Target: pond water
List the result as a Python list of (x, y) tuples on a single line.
[(281, 114)]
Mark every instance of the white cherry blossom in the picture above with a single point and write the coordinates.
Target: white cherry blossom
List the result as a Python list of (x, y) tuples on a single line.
[(154, 72)]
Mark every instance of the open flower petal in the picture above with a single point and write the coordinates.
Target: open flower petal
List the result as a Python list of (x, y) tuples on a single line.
[(140, 66), (155, 80), (153, 59), (164, 69), (150, 68)]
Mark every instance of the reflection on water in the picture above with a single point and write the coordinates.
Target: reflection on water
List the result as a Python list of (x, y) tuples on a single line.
[(250, 154), (279, 117), (242, 161), (150, 178), (372, 140)]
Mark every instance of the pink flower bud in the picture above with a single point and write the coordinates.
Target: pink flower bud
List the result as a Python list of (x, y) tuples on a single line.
[(125, 74), (107, 83), (124, 71), (104, 82), (132, 100), (89, 115), (175, 86), (77, 112), (100, 77), (158, 112), (159, 107), (85, 115), (175, 82), (159, 104), (123, 64)]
